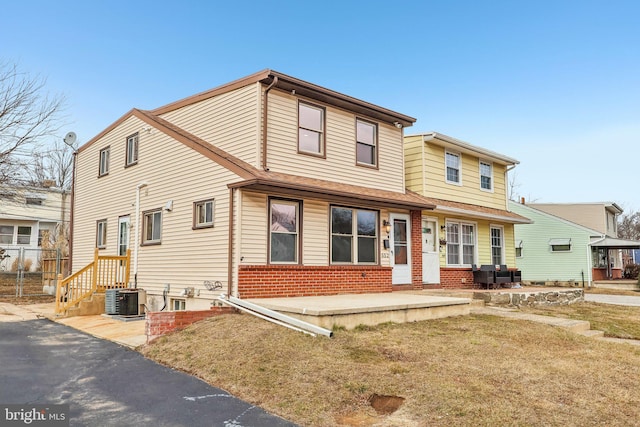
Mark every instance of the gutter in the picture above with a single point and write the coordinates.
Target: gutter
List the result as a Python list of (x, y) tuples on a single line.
[(275, 317), (265, 116), (230, 244)]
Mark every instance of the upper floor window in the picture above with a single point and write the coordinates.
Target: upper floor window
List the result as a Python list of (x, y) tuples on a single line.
[(132, 150), (101, 234), (486, 176), (284, 230), (152, 227), (452, 161), (203, 214), (461, 243), (104, 161), (366, 142), (310, 129), (354, 236)]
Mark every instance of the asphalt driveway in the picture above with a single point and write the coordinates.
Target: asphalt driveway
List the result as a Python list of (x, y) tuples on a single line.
[(105, 384)]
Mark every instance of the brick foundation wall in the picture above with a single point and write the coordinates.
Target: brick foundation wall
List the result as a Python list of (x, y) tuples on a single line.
[(159, 323), (269, 281), (453, 277), (416, 249)]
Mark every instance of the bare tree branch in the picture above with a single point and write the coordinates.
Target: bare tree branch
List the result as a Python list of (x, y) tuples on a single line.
[(28, 115)]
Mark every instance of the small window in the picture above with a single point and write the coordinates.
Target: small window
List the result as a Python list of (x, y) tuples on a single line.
[(24, 235), (486, 176), (453, 167), (366, 141), (152, 227), (6, 234), (104, 161), (518, 248), (178, 304), (203, 214), (101, 234), (310, 129), (132, 150), (284, 229), (560, 245)]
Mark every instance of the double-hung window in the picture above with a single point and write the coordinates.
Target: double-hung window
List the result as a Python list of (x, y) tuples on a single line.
[(310, 129), (203, 214), (366, 142), (497, 245), (152, 227), (104, 161), (354, 236), (101, 234), (284, 230), (461, 243), (132, 150), (6, 234), (486, 176), (452, 161), (24, 235)]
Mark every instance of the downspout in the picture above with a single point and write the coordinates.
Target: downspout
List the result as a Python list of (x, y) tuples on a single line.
[(137, 234), (264, 122), (230, 244), (71, 210)]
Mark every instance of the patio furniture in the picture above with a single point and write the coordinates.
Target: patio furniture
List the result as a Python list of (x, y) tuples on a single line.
[(516, 276), (485, 275), (503, 275)]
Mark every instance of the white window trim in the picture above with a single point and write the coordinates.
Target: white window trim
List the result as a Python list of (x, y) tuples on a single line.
[(475, 243), (459, 155), (136, 139), (198, 225), (107, 161), (502, 248), (101, 236), (152, 213), (490, 164)]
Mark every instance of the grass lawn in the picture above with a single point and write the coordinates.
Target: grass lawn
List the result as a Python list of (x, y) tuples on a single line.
[(463, 371)]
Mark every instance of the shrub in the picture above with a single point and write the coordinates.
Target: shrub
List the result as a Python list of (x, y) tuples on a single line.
[(631, 271)]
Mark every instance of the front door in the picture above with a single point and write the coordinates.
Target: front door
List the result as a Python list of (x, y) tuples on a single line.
[(430, 255), (400, 249)]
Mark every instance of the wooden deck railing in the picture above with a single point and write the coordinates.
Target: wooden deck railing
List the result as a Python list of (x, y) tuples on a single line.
[(105, 272)]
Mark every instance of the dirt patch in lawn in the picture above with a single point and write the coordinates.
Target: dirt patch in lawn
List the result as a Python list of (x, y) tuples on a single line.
[(462, 371)]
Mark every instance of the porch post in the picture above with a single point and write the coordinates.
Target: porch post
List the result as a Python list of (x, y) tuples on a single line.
[(94, 276)]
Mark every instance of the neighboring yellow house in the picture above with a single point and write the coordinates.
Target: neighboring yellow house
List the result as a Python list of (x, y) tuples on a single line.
[(266, 186), (471, 223)]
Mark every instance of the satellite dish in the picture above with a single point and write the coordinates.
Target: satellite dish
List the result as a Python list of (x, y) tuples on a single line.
[(70, 138)]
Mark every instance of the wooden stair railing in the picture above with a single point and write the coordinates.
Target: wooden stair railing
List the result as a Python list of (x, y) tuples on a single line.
[(105, 272)]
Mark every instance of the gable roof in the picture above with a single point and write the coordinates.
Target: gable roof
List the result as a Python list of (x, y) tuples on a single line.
[(464, 147), (261, 180), (300, 87), (591, 231)]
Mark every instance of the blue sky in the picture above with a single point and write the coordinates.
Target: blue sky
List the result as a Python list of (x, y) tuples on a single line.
[(554, 84)]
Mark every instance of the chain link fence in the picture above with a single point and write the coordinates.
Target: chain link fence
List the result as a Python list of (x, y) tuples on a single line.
[(30, 272)]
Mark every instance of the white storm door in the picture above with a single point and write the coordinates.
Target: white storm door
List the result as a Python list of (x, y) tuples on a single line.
[(400, 249), (430, 255), (123, 244)]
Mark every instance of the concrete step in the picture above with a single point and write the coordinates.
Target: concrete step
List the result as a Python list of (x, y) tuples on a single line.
[(593, 333)]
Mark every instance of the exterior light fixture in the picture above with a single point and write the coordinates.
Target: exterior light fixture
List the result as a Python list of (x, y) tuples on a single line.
[(387, 226)]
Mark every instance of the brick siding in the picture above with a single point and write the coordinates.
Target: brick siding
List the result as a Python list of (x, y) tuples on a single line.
[(453, 278), (159, 323), (268, 281), (416, 249)]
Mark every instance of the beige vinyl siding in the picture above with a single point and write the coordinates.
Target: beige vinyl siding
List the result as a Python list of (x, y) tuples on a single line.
[(592, 216), (469, 191), (255, 228), (186, 257), (340, 147), (229, 121)]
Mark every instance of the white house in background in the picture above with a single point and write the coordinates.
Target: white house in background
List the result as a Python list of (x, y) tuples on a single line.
[(26, 212)]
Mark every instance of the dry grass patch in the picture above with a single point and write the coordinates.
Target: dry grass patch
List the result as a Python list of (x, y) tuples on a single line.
[(615, 320), (605, 291), (471, 370)]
